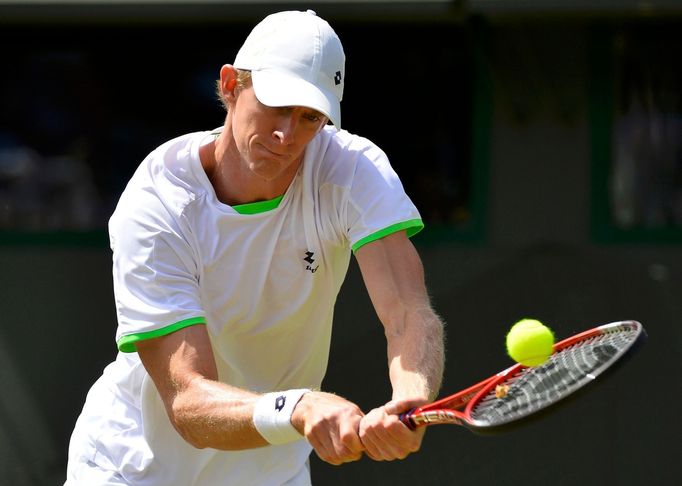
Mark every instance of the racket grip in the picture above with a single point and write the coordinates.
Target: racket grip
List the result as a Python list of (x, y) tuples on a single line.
[(406, 418)]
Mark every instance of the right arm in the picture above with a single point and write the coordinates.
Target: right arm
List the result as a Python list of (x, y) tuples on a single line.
[(209, 413), (204, 411)]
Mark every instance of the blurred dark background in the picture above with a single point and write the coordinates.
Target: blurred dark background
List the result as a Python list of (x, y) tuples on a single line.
[(541, 140)]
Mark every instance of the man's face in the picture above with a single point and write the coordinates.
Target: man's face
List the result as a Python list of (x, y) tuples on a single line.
[(270, 140)]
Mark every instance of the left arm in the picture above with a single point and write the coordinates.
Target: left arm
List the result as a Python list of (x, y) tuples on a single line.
[(394, 277)]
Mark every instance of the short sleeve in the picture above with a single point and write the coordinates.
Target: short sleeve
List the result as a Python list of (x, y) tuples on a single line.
[(378, 204), (156, 283)]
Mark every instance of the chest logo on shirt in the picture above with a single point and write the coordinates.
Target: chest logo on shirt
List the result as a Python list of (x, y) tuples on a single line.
[(309, 258)]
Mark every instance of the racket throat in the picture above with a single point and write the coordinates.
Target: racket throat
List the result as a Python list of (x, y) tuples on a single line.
[(440, 416)]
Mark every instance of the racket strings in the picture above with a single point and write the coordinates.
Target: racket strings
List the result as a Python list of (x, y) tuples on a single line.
[(568, 369)]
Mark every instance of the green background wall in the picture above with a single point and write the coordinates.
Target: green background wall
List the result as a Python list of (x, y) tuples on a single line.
[(533, 253)]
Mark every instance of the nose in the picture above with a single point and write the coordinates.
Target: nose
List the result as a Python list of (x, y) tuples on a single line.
[(285, 130)]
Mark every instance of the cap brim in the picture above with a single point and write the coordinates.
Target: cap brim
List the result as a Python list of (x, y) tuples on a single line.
[(276, 89)]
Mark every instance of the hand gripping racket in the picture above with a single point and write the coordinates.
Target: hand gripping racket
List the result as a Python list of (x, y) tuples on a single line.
[(519, 392)]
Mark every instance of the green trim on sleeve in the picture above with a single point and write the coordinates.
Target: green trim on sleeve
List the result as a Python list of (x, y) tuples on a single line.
[(412, 227), (128, 344)]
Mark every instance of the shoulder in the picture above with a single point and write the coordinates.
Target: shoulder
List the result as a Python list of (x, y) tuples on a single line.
[(166, 181), (173, 169), (345, 143), (343, 154), (179, 156)]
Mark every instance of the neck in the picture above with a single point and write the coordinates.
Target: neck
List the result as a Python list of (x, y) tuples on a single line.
[(230, 177)]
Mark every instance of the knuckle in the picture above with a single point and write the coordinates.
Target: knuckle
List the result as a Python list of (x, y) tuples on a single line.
[(330, 459), (348, 439), (355, 456), (344, 457)]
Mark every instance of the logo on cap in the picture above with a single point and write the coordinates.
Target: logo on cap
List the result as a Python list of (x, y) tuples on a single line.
[(337, 78)]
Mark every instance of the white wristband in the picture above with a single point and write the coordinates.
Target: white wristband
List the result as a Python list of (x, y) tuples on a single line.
[(272, 416)]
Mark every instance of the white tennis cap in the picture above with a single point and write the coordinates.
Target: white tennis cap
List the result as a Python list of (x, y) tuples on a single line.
[(295, 59)]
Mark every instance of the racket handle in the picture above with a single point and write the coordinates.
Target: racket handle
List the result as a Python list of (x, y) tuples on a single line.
[(406, 418)]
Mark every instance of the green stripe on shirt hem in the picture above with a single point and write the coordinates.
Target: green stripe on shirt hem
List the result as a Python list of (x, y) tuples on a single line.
[(412, 227), (128, 343)]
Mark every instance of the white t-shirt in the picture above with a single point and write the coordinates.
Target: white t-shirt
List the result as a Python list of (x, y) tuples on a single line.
[(262, 277)]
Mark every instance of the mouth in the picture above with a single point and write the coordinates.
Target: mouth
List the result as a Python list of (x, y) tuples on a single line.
[(274, 153)]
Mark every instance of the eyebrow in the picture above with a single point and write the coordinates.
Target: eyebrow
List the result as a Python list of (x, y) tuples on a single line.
[(307, 110), (318, 113), (312, 111)]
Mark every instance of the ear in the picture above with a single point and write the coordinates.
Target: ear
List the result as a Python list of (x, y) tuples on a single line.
[(228, 81)]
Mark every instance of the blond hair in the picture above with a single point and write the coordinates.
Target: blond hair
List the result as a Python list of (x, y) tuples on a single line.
[(243, 80)]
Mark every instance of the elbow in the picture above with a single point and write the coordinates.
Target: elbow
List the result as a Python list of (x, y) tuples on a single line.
[(192, 439), (188, 423), (411, 321)]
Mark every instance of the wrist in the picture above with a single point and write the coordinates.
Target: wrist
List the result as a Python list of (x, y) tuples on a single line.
[(272, 416)]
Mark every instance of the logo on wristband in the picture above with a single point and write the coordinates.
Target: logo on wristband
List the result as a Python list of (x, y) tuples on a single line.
[(280, 401)]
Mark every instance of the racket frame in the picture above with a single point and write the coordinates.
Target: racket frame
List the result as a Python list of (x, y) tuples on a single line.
[(448, 409)]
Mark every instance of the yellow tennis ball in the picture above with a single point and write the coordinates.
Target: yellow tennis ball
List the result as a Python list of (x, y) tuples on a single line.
[(530, 342)]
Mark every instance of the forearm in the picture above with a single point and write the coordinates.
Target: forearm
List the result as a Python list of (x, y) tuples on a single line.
[(204, 411), (209, 413), (416, 359), (219, 416), (394, 277), (416, 354), (329, 423)]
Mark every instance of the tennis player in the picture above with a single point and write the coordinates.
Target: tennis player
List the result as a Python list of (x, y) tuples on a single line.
[(229, 249)]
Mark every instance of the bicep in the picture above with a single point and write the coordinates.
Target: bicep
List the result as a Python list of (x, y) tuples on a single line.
[(394, 276), (173, 361), (204, 411)]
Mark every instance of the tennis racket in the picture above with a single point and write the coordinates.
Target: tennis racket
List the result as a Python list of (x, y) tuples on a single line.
[(519, 392)]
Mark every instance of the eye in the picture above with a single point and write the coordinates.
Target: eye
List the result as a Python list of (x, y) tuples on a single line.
[(313, 117)]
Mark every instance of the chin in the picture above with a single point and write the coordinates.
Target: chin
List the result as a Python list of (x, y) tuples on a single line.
[(266, 170)]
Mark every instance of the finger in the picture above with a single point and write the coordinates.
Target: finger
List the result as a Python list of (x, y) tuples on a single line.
[(341, 454), (339, 448), (408, 440), (387, 438), (371, 456), (379, 443), (350, 437), (323, 446), (384, 451), (374, 449), (396, 407)]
